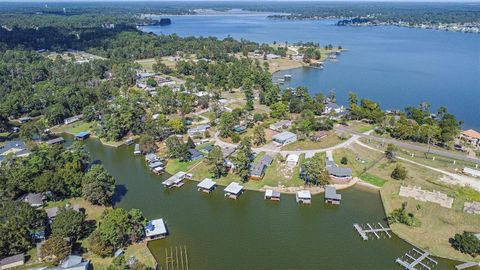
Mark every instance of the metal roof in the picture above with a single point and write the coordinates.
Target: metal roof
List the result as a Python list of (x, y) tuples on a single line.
[(155, 227), (233, 188), (304, 194), (257, 169), (12, 259), (265, 160), (339, 172), (331, 193), (207, 183), (284, 136)]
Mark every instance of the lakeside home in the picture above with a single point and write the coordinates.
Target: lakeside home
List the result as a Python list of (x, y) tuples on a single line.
[(257, 171), (331, 195), (207, 185), (471, 136), (272, 195), (155, 229), (233, 190), (303, 197), (72, 119)]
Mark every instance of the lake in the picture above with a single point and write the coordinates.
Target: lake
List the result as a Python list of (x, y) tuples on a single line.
[(395, 66), (251, 233)]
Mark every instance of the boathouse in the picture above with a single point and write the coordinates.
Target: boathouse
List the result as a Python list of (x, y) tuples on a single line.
[(82, 135), (176, 180), (151, 158), (207, 185), (58, 140), (155, 229), (155, 164), (272, 195), (304, 197), (285, 138), (233, 190), (331, 195)]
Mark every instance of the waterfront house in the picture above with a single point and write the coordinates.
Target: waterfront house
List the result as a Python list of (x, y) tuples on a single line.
[(272, 56), (319, 135), (292, 160), (53, 211), (339, 173), (82, 135), (331, 195), (207, 185), (58, 140), (281, 125), (207, 149), (136, 150), (155, 164), (272, 195), (257, 171), (12, 261), (72, 119), (14, 148), (285, 138), (155, 229), (72, 262), (34, 199), (333, 107), (194, 154), (233, 190), (304, 197), (471, 136), (176, 180)]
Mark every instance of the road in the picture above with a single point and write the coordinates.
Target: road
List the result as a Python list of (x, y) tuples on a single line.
[(411, 146)]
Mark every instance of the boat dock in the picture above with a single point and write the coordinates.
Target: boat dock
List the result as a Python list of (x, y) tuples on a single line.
[(416, 258), (176, 258), (467, 265), (378, 232)]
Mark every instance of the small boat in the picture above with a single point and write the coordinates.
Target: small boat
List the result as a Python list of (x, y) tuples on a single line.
[(137, 149), (287, 76)]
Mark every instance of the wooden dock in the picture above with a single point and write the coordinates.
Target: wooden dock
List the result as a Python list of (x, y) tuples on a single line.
[(417, 258), (467, 265), (176, 258), (377, 231)]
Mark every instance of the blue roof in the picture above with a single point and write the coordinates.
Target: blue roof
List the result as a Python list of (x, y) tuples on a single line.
[(82, 134)]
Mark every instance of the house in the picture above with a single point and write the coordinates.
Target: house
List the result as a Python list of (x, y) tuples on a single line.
[(471, 136), (151, 158), (136, 150), (472, 172), (198, 131), (155, 229), (239, 129), (297, 57), (233, 190), (72, 262), (331, 195), (58, 140), (23, 120), (272, 195), (145, 75), (339, 173), (207, 185), (82, 135), (256, 171), (228, 151), (34, 199), (319, 135), (207, 149), (12, 261), (265, 160), (176, 180), (53, 212), (285, 138), (72, 119), (272, 56), (304, 197), (292, 160), (333, 107), (281, 125), (194, 154), (15, 148)]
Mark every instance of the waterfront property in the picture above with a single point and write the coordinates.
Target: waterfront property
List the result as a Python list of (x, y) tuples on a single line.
[(336, 173), (12, 261), (151, 158), (137, 151), (333, 108), (72, 119), (285, 138), (331, 195), (471, 136), (194, 154), (156, 167), (272, 195), (58, 140), (233, 190), (14, 148), (72, 262), (155, 229), (304, 197), (426, 196), (176, 180), (257, 171), (207, 185), (82, 135)]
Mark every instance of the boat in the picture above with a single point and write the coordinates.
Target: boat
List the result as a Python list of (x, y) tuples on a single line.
[(137, 149), (287, 76)]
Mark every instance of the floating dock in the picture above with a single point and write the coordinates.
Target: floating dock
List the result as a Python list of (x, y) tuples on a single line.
[(467, 265), (377, 231), (417, 258)]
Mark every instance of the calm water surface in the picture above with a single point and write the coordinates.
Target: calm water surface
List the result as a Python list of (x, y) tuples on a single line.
[(395, 66), (251, 233)]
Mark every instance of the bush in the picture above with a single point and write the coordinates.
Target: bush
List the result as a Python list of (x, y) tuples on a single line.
[(344, 160), (467, 243), (400, 215), (55, 249), (98, 246), (236, 138), (399, 173)]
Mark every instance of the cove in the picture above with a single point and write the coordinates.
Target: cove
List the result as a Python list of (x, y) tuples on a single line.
[(394, 66), (251, 233)]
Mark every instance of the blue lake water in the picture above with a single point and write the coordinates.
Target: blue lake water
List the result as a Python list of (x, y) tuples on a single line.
[(395, 66)]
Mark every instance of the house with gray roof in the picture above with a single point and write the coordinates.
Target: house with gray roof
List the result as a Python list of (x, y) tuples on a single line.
[(257, 170), (331, 195), (12, 261), (34, 199), (281, 125), (194, 154), (72, 262), (285, 138), (15, 148), (265, 160)]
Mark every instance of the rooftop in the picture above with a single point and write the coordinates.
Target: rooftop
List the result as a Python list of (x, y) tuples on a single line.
[(12, 259), (265, 160), (17, 148), (207, 183), (233, 188), (284, 136), (305, 194), (176, 178), (155, 227), (331, 193), (257, 169), (472, 133), (339, 171)]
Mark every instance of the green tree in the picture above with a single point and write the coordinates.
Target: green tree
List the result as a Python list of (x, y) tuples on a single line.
[(259, 136), (390, 152), (399, 173), (216, 161), (314, 172), (344, 160), (68, 223), (98, 186), (227, 122), (98, 246), (55, 249), (190, 143), (467, 243), (279, 110)]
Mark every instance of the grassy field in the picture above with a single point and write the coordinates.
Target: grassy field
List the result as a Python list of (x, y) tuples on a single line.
[(175, 165), (359, 158), (331, 140), (359, 126), (372, 179)]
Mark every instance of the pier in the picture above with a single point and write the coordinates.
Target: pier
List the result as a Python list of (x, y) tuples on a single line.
[(466, 265), (176, 258), (377, 231), (417, 258)]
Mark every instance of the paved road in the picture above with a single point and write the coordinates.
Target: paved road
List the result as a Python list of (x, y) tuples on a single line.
[(411, 146)]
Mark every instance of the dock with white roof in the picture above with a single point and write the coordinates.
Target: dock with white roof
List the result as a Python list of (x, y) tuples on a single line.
[(304, 197), (176, 180), (207, 185), (272, 195), (155, 229), (233, 190)]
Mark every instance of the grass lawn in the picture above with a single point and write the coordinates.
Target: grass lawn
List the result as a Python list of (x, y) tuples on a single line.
[(331, 140), (175, 165), (360, 159), (75, 127), (359, 126), (147, 64), (372, 179)]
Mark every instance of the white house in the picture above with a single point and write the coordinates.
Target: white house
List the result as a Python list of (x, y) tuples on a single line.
[(333, 107), (292, 160), (285, 138)]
